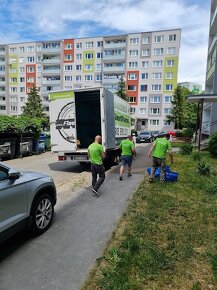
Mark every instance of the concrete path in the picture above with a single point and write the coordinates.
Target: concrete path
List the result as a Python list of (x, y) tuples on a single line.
[(62, 258)]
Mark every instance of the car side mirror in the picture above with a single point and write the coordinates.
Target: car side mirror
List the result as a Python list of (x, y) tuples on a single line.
[(13, 175)]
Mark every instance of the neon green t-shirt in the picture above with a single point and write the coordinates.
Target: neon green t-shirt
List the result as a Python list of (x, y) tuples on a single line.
[(162, 145), (126, 147), (95, 152)]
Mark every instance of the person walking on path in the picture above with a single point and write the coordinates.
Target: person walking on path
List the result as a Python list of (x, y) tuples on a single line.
[(158, 153), (128, 151), (96, 155)]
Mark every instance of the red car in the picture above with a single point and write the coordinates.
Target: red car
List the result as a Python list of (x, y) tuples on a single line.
[(173, 132)]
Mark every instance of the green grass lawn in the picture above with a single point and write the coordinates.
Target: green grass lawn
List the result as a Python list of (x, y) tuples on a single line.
[(167, 237)]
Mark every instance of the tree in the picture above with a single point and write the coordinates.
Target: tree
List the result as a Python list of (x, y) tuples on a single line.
[(33, 107), (181, 111), (122, 89)]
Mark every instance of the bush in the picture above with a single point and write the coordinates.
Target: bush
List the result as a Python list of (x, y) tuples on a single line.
[(211, 188), (196, 155), (189, 132), (203, 168), (212, 145), (179, 134), (186, 149)]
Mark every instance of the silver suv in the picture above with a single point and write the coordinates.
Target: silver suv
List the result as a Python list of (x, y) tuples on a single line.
[(27, 201)]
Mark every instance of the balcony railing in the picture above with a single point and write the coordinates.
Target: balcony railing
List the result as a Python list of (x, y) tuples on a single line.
[(51, 49), (51, 60), (51, 71), (50, 82), (114, 69), (115, 45), (114, 57)]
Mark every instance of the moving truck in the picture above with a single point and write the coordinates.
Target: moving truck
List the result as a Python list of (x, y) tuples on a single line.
[(77, 116)]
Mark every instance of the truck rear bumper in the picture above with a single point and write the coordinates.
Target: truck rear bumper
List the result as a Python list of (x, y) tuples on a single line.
[(73, 157)]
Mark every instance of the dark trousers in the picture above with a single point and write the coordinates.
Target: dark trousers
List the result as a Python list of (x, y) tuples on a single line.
[(97, 170)]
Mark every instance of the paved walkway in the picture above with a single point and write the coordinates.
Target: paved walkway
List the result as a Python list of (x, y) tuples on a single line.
[(62, 258)]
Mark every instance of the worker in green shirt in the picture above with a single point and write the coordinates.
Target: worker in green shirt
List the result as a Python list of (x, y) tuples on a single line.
[(96, 155), (158, 153), (127, 152)]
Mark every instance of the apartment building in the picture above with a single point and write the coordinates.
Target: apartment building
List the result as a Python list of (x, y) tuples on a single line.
[(209, 123), (148, 61)]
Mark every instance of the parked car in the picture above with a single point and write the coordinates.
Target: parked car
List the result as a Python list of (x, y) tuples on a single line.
[(161, 133), (27, 201), (145, 136), (173, 132), (155, 134)]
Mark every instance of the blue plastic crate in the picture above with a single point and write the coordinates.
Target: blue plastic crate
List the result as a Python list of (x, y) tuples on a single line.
[(171, 176), (157, 172)]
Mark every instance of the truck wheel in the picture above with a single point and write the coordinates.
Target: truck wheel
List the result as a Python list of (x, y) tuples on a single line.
[(42, 214)]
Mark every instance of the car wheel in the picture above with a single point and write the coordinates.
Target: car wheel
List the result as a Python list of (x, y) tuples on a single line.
[(42, 214)]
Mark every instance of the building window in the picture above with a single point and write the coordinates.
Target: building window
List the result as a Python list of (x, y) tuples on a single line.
[(169, 75), (99, 44), (99, 77), (38, 48), (68, 46), (68, 68), (22, 80), (22, 89), (132, 110), (132, 76), (88, 67), (158, 39), (143, 88), (131, 88), (13, 80), (22, 49), (89, 55), (78, 56), (79, 45), (99, 55), (22, 69), (78, 67), (145, 52), (158, 51), (39, 69), (2, 108), (132, 99), (98, 66), (133, 64), (134, 40), (166, 123), (30, 48), (155, 99), (143, 99), (157, 63), (68, 78), (144, 76), (88, 77), (145, 64), (68, 57), (167, 111), (30, 80), (142, 111), (12, 70), (146, 40), (78, 78), (38, 59), (154, 122), (157, 76), (89, 44), (30, 59), (169, 87), (172, 37), (13, 108), (156, 87), (167, 99), (13, 50), (134, 52), (171, 50), (170, 63), (154, 111), (30, 69)]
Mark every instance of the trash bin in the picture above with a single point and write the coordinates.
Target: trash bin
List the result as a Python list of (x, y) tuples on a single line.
[(41, 145), (7, 148), (26, 146), (47, 141)]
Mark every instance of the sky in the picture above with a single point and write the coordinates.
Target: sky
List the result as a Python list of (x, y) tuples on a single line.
[(32, 20)]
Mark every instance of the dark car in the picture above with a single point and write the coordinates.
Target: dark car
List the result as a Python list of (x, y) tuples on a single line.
[(161, 133), (155, 134), (145, 136)]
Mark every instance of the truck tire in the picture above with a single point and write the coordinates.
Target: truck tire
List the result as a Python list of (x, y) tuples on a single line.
[(42, 214)]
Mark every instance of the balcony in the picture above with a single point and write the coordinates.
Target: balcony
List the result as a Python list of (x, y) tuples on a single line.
[(49, 48), (114, 69), (50, 82), (47, 91), (115, 45), (2, 52), (2, 83), (51, 71), (114, 57), (51, 60), (2, 62)]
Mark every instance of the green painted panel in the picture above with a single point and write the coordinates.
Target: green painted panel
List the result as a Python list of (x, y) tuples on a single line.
[(173, 70), (13, 64), (88, 61)]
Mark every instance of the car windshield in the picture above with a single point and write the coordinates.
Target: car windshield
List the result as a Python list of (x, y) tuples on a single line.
[(145, 133)]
